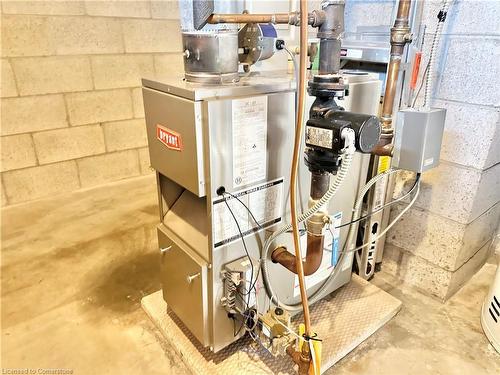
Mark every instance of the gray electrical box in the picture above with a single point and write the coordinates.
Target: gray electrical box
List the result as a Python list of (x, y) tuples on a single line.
[(418, 137)]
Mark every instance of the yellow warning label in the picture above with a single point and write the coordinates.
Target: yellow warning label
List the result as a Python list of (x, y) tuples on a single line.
[(384, 162)]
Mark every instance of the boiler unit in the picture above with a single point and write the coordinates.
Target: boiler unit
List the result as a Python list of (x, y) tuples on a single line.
[(237, 139), (259, 204)]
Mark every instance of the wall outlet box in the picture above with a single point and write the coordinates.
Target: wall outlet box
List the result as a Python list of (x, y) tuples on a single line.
[(417, 139)]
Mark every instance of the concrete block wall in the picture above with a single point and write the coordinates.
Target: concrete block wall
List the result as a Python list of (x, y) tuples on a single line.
[(447, 236), (72, 116), (71, 105)]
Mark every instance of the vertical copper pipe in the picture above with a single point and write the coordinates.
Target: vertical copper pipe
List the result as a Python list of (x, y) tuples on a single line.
[(400, 36), (404, 9), (390, 91), (301, 90)]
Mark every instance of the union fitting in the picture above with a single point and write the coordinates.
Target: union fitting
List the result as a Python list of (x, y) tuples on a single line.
[(316, 223), (401, 35)]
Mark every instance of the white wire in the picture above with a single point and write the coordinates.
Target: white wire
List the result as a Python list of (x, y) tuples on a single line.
[(396, 219), (312, 353), (310, 343), (288, 329), (295, 65), (350, 238)]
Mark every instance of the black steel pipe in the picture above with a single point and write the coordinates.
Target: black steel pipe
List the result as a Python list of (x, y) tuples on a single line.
[(330, 32)]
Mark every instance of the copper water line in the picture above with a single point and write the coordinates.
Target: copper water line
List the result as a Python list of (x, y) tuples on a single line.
[(314, 18), (403, 9), (320, 183), (301, 91), (276, 18), (314, 256), (400, 36)]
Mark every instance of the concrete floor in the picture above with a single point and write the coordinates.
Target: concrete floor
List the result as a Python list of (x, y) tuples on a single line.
[(74, 269)]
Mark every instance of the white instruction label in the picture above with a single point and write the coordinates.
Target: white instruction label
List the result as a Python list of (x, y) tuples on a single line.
[(379, 193), (264, 201), (319, 137), (249, 120), (331, 253)]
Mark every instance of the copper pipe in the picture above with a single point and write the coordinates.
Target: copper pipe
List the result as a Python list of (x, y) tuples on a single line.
[(400, 36), (383, 149), (403, 9), (390, 90), (276, 18), (314, 256), (320, 182), (315, 18), (301, 90), (302, 359)]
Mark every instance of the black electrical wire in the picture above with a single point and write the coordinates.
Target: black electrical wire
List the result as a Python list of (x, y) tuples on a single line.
[(252, 283), (246, 207), (249, 315), (417, 179), (236, 333), (243, 242)]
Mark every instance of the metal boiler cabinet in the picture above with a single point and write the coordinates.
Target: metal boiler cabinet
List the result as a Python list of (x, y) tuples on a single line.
[(240, 137)]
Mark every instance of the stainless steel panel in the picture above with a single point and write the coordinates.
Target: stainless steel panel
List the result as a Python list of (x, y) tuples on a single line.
[(184, 284), (257, 83), (185, 166), (280, 128), (280, 146), (362, 50), (188, 219), (216, 115), (211, 57)]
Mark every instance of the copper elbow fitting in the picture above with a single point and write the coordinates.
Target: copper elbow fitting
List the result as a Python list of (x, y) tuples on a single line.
[(313, 260), (385, 146)]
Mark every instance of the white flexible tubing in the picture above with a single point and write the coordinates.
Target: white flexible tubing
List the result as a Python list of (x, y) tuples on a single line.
[(429, 82), (348, 135), (318, 294), (346, 163)]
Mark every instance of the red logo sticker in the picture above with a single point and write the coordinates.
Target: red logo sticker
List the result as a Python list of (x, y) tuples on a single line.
[(169, 138)]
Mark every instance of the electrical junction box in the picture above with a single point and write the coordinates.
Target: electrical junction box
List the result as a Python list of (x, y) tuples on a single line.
[(418, 138)]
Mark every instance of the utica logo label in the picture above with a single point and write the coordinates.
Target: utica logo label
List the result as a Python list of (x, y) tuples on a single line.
[(169, 138)]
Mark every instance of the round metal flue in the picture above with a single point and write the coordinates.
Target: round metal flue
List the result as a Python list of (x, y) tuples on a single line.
[(210, 51)]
